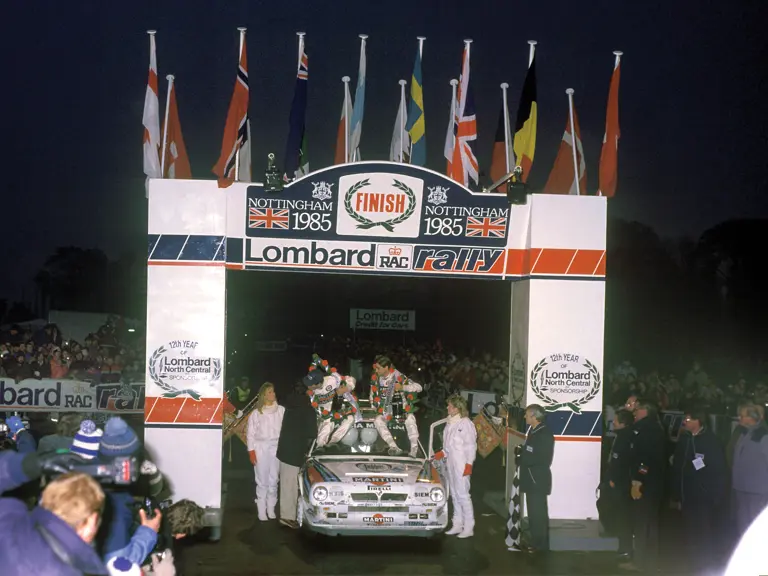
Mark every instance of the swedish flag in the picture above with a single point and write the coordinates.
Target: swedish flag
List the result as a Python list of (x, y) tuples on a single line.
[(415, 125)]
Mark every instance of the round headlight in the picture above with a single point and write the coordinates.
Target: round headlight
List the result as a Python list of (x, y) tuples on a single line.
[(436, 495), (320, 493)]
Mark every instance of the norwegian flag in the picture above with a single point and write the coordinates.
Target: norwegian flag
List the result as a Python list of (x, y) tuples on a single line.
[(486, 227), (268, 218), (151, 117), (464, 164), (237, 130)]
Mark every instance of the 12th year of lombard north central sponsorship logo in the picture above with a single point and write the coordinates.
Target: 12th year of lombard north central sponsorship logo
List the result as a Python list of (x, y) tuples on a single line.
[(565, 380), (379, 204), (174, 367)]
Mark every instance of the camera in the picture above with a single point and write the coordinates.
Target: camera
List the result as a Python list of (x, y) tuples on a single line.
[(120, 471)]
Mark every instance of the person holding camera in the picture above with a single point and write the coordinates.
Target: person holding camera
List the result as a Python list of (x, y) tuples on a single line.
[(56, 536), (535, 460)]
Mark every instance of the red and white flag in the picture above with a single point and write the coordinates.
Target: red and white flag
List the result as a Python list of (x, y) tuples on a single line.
[(609, 161), (151, 117), (562, 179), (237, 130), (176, 159), (464, 163), (345, 124)]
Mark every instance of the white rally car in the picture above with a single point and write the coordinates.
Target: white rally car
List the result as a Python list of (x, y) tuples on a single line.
[(355, 488)]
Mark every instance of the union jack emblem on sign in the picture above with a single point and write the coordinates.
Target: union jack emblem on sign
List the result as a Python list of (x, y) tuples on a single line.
[(268, 218), (486, 227)]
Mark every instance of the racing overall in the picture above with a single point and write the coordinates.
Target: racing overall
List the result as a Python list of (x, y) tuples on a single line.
[(386, 390), (344, 412), (263, 434), (459, 450)]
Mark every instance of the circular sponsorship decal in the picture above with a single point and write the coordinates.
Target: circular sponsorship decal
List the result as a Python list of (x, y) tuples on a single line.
[(565, 380), (174, 367), (374, 467)]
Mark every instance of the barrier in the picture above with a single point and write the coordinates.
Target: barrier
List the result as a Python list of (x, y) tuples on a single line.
[(49, 395)]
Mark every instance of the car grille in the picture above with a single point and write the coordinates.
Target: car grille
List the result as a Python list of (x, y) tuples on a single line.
[(378, 508), (364, 497), (394, 497), (373, 497)]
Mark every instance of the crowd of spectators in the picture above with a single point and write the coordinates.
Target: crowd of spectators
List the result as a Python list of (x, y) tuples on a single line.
[(696, 388), (103, 356)]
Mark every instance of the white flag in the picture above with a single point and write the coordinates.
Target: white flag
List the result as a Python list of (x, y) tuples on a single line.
[(400, 138)]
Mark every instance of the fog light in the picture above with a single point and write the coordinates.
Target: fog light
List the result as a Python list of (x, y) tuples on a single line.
[(331, 515), (342, 515), (412, 516), (424, 516)]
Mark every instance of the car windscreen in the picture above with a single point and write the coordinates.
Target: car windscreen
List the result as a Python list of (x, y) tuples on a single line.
[(363, 438)]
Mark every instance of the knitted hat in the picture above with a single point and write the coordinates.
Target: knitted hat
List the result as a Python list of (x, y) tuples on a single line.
[(86, 442), (121, 566), (119, 439)]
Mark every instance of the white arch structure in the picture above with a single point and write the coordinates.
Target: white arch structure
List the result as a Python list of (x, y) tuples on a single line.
[(374, 218)]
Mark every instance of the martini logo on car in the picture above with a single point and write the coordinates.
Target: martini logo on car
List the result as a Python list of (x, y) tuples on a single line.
[(174, 366), (375, 480), (379, 204), (378, 519), (565, 380)]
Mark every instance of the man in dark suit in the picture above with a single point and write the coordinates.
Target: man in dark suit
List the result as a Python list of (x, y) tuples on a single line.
[(535, 461), (298, 430), (699, 487), (647, 489), (616, 503)]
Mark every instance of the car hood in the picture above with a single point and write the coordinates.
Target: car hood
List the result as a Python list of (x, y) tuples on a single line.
[(370, 470)]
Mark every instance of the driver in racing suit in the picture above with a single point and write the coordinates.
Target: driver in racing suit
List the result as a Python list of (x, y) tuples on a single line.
[(386, 382), (338, 415)]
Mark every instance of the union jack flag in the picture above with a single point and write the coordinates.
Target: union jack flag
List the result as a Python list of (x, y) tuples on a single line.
[(268, 218), (464, 164), (486, 227)]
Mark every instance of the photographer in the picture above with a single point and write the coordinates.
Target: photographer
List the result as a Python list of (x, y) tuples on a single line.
[(24, 441), (55, 537)]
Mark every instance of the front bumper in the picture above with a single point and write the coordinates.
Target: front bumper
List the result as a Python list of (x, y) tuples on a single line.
[(413, 521)]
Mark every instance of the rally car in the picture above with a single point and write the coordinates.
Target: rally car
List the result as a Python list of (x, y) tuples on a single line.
[(354, 488)]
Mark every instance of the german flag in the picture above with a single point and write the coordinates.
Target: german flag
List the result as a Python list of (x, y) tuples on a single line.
[(525, 125), (499, 157)]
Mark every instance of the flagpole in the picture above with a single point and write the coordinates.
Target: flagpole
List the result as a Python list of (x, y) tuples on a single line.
[(345, 80), (301, 48), (570, 91), (531, 51), (165, 124), (402, 117), (452, 121), (504, 87), (239, 54), (618, 54)]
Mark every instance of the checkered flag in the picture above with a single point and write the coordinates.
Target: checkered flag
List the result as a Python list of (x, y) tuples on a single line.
[(513, 524)]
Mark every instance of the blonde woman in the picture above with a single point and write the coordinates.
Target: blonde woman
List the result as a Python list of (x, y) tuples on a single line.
[(264, 425), (459, 450)]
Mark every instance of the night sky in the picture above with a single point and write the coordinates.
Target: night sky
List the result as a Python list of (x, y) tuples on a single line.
[(693, 107)]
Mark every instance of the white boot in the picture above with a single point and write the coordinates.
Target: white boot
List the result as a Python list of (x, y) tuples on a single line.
[(468, 515), (455, 529), (467, 532), (261, 506), (271, 503)]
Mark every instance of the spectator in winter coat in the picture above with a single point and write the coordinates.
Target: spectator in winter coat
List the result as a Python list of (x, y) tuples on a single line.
[(55, 537), (66, 428), (749, 479), (699, 486)]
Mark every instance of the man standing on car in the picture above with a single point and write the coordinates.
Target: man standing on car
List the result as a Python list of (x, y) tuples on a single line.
[(535, 461), (386, 382)]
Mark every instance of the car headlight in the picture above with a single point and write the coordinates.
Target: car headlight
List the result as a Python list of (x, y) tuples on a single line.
[(320, 493), (436, 495)]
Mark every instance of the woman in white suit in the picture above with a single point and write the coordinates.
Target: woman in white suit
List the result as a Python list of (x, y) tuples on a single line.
[(459, 450), (264, 425)]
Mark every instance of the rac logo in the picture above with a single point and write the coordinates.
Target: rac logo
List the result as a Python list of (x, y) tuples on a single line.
[(394, 256)]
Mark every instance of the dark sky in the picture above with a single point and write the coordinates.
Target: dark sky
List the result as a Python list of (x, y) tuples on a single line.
[(693, 105)]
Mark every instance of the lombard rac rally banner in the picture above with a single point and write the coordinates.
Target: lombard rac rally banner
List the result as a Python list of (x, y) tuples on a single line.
[(70, 396), (365, 319), (373, 217)]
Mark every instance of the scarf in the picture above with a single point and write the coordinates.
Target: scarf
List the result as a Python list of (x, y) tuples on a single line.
[(455, 418)]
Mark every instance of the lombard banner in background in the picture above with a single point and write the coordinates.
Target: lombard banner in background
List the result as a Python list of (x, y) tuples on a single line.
[(374, 319), (70, 396), (377, 218)]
